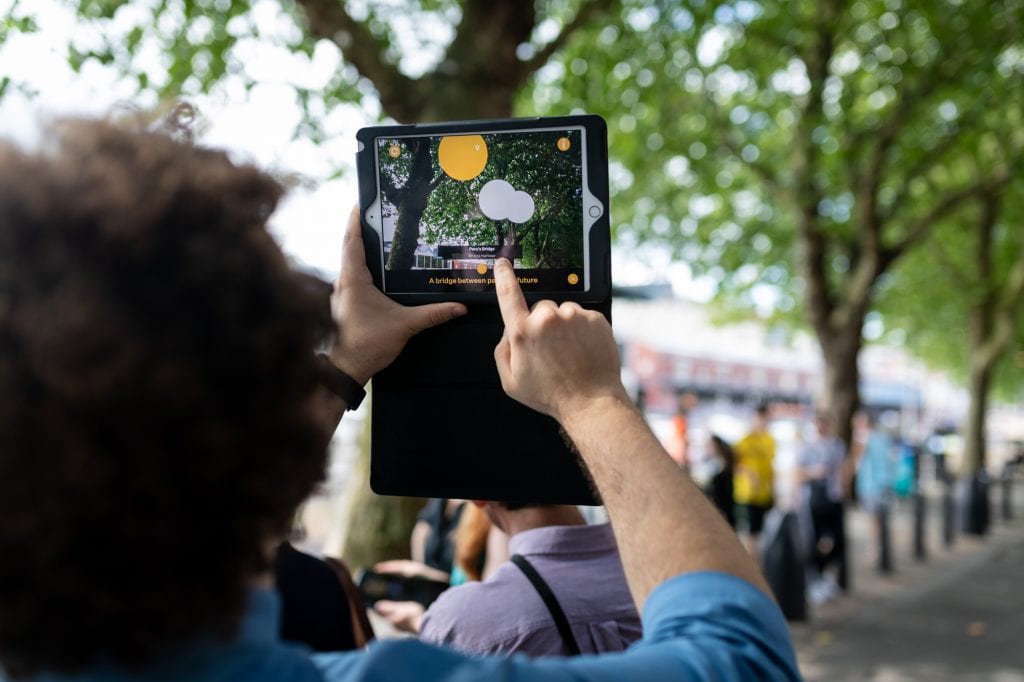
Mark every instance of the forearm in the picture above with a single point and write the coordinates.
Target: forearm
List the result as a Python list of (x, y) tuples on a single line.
[(418, 542), (664, 526)]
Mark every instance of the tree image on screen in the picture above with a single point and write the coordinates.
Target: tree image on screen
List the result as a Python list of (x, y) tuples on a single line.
[(520, 193)]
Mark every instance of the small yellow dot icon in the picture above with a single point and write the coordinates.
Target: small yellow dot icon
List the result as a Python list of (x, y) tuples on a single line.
[(394, 151), (563, 144), (481, 268), (573, 278)]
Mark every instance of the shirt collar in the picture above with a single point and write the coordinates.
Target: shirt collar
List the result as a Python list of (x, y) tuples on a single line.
[(262, 618), (563, 540), (259, 625)]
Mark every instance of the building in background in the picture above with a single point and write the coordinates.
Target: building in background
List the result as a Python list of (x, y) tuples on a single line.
[(671, 347)]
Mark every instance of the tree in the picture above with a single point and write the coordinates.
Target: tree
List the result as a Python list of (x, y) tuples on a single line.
[(979, 253), (805, 146)]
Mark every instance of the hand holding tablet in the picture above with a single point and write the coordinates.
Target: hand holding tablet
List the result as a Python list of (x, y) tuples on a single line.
[(374, 329)]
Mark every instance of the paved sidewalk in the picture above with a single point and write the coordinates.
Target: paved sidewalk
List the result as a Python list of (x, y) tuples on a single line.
[(957, 616)]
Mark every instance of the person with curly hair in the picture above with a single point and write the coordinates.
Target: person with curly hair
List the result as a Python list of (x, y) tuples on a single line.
[(163, 413), (157, 426)]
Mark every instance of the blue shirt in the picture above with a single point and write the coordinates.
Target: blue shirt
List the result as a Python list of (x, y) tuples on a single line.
[(256, 654), (877, 471), (698, 626), (504, 614)]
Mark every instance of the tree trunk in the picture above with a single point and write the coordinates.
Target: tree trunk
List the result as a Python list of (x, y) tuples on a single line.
[(984, 348), (973, 485), (974, 427), (414, 194), (458, 101), (379, 527), (478, 78), (842, 381)]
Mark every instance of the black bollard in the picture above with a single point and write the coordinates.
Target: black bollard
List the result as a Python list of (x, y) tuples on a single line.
[(1007, 484), (783, 564), (842, 554), (920, 514), (884, 542), (948, 514), (974, 498)]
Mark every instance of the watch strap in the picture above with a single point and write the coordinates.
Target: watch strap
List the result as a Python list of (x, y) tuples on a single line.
[(339, 383)]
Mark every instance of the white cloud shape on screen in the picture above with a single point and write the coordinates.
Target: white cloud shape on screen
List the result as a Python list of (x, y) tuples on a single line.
[(499, 200)]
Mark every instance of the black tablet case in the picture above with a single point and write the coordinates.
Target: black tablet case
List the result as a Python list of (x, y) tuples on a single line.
[(441, 424)]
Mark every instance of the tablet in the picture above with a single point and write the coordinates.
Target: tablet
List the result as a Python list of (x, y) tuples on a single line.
[(441, 202)]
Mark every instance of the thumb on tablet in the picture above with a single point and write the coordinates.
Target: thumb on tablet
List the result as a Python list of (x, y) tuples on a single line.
[(423, 317)]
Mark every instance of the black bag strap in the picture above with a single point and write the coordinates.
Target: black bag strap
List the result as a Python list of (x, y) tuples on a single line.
[(561, 622)]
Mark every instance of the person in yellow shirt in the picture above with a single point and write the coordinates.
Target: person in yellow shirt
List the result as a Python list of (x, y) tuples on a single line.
[(753, 483)]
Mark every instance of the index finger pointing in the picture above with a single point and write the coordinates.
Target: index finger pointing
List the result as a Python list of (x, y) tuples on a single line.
[(510, 296)]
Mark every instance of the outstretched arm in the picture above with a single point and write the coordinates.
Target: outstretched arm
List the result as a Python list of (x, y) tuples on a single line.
[(562, 360)]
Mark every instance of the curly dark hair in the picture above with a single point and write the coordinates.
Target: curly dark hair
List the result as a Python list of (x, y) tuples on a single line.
[(156, 372)]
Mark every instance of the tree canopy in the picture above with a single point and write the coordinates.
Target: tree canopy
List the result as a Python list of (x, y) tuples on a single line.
[(803, 147), (412, 60), (726, 118), (974, 262)]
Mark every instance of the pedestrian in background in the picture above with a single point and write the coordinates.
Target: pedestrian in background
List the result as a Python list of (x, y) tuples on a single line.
[(563, 592), (820, 472), (876, 475), (720, 486), (679, 450), (754, 480)]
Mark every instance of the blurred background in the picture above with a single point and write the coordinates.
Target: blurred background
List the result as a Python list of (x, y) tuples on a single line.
[(816, 204)]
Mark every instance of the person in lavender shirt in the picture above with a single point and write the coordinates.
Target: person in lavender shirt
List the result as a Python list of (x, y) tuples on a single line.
[(822, 471), (505, 614)]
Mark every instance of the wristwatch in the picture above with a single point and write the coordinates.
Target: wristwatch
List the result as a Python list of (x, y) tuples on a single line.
[(339, 383)]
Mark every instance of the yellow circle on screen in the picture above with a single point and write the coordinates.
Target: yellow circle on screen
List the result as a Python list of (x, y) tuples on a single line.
[(481, 269), (573, 278), (462, 157), (563, 144)]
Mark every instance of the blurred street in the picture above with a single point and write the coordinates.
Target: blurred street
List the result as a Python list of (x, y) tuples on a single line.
[(956, 616)]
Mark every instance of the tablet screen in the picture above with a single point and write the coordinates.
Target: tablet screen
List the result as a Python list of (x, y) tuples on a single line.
[(452, 204)]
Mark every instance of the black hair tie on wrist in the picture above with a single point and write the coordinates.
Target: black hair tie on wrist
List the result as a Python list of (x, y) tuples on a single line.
[(339, 383)]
